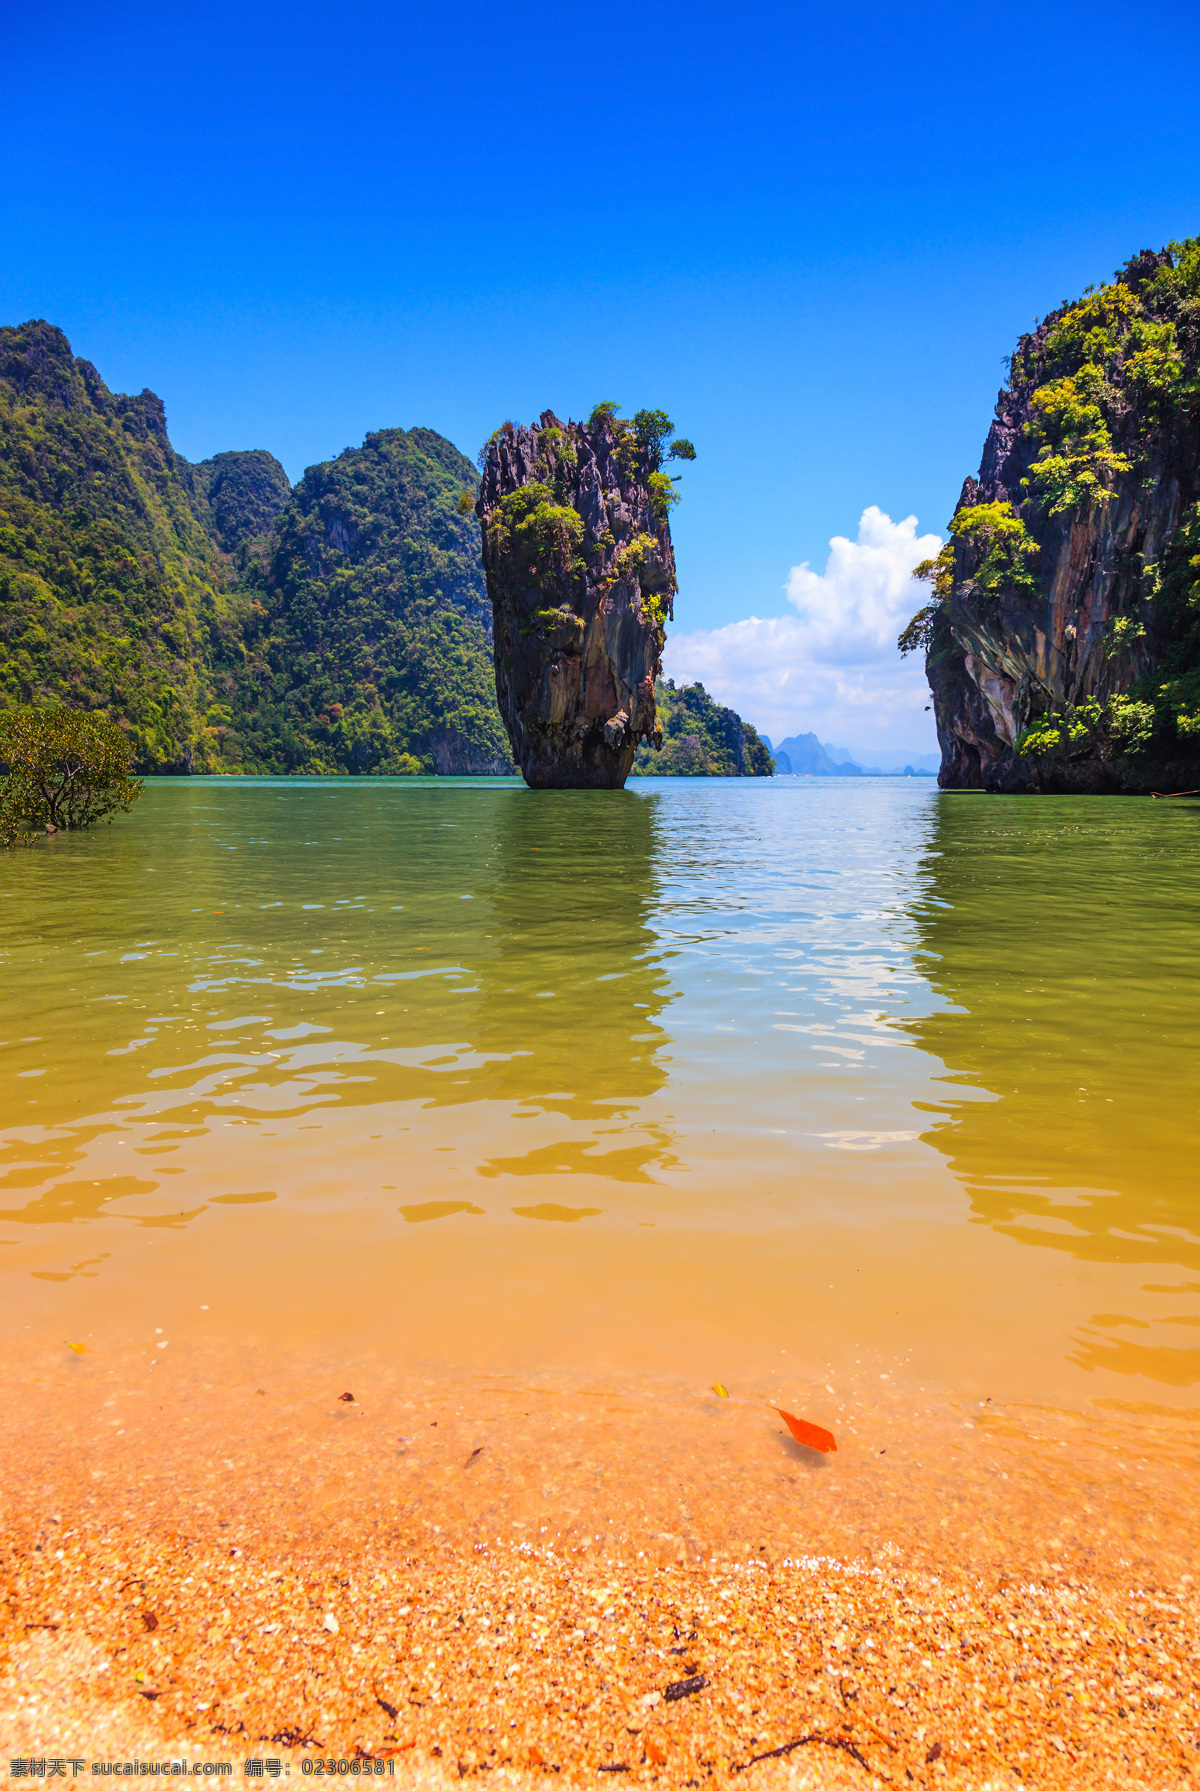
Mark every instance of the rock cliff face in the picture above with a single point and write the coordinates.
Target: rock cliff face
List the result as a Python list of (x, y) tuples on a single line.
[(1063, 637), (581, 574)]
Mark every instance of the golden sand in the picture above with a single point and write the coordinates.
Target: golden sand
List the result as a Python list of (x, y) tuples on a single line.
[(483, 1576)]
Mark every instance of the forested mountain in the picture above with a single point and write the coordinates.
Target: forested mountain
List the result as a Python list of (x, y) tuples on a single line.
[(230, 623), (368, 647), (701, 739), (227, 622), (114, 593)]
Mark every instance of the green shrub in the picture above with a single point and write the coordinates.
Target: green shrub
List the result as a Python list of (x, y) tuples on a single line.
[(530, 528), (65, 769), (1123, 632), (1119, 727), (663, 495), (603, 414)]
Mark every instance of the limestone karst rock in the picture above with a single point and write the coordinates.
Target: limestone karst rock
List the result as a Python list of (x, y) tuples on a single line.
[(581, 574), (1063, 635)]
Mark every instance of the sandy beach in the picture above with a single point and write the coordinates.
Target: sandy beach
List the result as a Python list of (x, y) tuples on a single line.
[(545, 1582)]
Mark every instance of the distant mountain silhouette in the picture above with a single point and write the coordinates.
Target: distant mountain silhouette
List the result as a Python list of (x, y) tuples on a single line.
[(803, 755), (806, 757)]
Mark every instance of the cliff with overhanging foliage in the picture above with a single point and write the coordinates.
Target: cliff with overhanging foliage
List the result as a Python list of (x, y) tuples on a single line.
[(1062, 634), (581, 576)]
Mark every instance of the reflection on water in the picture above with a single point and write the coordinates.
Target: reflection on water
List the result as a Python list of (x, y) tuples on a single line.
[(531, 1078), (466, 947), (571, 982), (1065, 936)]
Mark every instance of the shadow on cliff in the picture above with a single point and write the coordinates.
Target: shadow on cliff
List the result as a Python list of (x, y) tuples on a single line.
[(1063, 934), (572, 979)]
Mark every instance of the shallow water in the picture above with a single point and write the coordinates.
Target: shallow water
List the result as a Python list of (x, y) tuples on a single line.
[(390, 1171), (700, 1080)]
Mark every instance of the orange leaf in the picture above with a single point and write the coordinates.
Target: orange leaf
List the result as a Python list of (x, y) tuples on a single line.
[(811, 1435)]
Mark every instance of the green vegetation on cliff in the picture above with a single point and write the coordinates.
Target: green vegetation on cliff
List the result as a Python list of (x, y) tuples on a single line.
[(1063, 631), (1119, 391), (113, 593), (222, 620), (647, 439), (701, 739), (1111, 375), (1006, 554), (369, 648), (534, 525)]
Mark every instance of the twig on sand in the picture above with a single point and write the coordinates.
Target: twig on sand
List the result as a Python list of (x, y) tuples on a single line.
[(842, 1742), (851, 1696)]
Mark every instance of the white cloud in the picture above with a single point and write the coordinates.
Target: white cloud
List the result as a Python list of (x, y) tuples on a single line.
[(831, 669)]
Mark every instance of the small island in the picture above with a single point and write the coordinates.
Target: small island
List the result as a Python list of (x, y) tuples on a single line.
[(581, 574)]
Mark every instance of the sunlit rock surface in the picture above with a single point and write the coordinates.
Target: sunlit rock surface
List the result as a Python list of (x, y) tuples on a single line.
[(1063, 641), (581, 574)]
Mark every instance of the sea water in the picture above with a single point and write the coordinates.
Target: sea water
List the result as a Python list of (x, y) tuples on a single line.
[(702, 1079)]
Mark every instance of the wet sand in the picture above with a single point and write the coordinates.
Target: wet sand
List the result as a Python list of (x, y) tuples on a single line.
[(504, 1576)]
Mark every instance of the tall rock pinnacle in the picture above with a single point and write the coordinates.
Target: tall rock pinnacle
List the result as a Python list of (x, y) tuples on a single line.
[(581, 574)]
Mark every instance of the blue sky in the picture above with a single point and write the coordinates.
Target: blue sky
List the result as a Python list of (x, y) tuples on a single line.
[(809, 232)]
